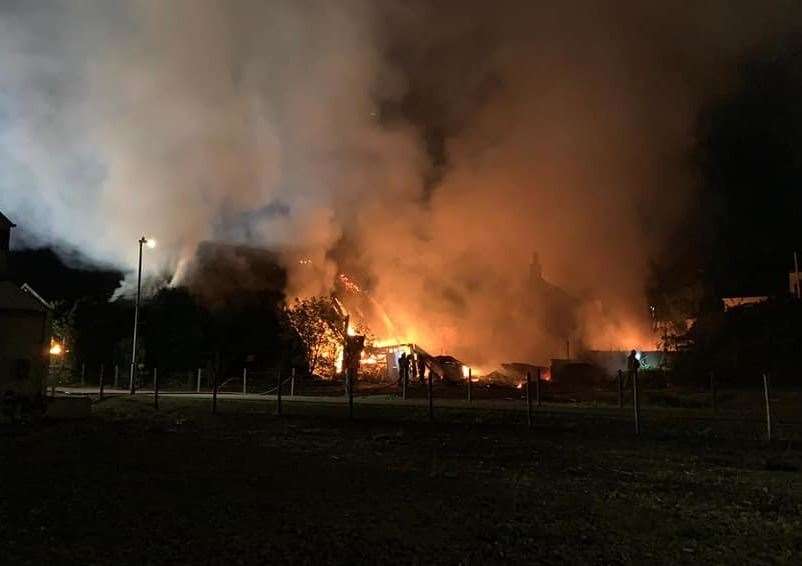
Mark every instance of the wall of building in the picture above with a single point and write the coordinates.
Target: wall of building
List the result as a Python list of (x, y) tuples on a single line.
[(5, 238), (24, 351)]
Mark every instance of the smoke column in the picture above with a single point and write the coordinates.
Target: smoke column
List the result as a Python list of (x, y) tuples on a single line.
[(428, 148), (189, 120)]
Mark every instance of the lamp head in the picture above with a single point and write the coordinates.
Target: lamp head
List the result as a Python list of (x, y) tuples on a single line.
[(149, 242)]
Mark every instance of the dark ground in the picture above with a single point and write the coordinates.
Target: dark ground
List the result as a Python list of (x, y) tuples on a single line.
[(131, 487)]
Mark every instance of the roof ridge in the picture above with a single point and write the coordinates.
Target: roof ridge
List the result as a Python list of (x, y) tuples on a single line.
[(5, 220)]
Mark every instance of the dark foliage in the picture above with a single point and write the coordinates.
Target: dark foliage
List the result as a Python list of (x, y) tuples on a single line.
[(741, 344)]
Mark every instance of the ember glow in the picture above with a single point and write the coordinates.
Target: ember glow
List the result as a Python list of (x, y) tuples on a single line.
[(349, 284)]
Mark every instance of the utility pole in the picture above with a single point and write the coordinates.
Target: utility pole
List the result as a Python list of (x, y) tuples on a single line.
[(151, 244)]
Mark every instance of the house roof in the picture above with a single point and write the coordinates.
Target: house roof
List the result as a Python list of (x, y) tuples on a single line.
[(5, 222), (17, 299)]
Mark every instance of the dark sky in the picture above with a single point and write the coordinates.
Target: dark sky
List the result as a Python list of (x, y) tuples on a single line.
[(750, 161)]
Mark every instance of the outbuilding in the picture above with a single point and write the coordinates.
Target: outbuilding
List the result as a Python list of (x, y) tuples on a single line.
[(24, 332)]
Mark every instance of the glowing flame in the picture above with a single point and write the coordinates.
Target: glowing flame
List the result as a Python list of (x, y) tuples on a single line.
[(386, 342), (338, 362), (466, 372), (151, 243), (350, 284), (370, 360), (56, 349)]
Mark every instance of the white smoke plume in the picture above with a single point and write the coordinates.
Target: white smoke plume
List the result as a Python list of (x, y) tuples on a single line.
[(189, 120), (431, 147)]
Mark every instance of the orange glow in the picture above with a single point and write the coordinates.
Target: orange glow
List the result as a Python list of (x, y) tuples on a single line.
[(338, 362), (370, 360), (56, 349), (350, 284), (385, 342)]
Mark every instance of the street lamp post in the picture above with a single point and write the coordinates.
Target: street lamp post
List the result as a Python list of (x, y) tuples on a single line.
[(151, 244)]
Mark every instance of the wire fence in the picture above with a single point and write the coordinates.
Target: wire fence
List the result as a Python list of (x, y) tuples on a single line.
[(771, 411)]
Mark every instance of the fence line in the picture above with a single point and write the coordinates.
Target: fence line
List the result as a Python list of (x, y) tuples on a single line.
[(734, 404)]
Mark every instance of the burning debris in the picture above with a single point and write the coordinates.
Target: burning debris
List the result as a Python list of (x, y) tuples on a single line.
[(350, 318)]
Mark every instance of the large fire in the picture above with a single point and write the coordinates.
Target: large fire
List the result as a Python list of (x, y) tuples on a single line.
[(362, 315)]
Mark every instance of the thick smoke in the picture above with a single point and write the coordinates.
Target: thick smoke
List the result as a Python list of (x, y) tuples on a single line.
[(191, 120), (562, 131), (429, 149)]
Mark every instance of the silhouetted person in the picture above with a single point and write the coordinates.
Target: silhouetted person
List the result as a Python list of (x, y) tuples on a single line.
[(421, 368), (403, 368), (633, 365), (413, 367)]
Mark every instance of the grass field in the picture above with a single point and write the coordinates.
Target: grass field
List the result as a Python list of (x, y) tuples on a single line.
[(133, 486)]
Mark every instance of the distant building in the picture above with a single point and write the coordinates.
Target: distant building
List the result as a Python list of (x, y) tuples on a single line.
[(550, 309), (793, 284), (5, 243), (736, 302), (24, 330)]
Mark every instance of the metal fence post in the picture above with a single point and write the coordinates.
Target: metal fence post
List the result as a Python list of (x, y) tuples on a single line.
[(200, 372), (292, 383), (156, 389), (83, 374), (529, 399), (429, 394), (766, 396), (116, 376), (636, 400), (278, 394), (100, 380), (214, 389), (244, 381), (470, 393), (620, 389)]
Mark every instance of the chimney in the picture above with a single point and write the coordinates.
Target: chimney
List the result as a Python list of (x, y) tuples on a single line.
[(5, 242)]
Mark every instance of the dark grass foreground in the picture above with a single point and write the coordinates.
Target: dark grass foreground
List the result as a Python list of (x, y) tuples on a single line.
[(184, 487)]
